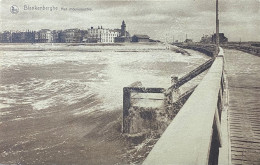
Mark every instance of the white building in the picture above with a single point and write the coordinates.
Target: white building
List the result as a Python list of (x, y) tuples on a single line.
[(102, 35), (44, 35)]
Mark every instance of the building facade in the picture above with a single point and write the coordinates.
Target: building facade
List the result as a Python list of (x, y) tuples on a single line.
[(124, 35), (44, 36), (92, 35), (102, 35), (206, 39), (6, 37), (123, 29), (222, 38), (71, 36), (140, 38)]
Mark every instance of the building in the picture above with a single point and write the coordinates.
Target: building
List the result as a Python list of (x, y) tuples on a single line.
[(84, 35), (123, 29), (56, 36), (108, 36), (71, 36), (124, 35), (222, 38), (206, 39), (92, 35), (188, 40), (140, 38), (6, 37), (102, 35), (44, 36), (17, 37)]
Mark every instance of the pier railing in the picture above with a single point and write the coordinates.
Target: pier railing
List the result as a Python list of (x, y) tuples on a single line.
[(194, 136), (169, 93)]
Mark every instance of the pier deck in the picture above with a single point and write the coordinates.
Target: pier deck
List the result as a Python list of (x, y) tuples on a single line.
[(243, 73)]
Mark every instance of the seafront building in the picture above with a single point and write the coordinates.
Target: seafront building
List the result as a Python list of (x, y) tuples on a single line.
[(70, 36), (92, 35), (140, 38), (124, 35), (6, 36), (102, 35), (44, 36)]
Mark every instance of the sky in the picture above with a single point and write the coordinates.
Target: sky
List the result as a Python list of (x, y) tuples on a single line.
[(163, 20)]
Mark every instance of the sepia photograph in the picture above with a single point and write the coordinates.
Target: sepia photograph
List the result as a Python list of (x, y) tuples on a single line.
[(138, 82)]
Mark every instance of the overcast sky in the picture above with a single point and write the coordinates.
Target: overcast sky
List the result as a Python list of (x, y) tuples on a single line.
[(158, 19)]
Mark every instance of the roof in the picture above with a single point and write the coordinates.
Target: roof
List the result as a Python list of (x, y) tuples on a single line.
[(44, 30), (141, 36), (71, 30)]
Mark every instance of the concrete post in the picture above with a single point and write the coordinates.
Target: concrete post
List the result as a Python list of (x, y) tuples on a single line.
[(174, 80), (175, 92), (126, 106)]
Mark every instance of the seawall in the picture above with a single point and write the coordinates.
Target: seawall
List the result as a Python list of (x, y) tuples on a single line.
[(207, 49)]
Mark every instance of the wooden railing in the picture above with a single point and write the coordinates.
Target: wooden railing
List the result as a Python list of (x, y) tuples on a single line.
[(179, 82), (192, 74), (194, 136), (168, 93)]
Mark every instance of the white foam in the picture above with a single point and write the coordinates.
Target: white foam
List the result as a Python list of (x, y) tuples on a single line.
[(107, 84)]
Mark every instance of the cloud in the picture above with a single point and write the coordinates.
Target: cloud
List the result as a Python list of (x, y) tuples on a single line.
[(155, 18)]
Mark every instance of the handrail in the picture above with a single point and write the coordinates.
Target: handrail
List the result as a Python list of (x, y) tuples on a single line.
[(185, 95), (192, 74), (144, 90), (194, 135)]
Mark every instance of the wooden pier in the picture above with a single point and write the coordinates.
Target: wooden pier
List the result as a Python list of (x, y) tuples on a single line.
[(243, 75)]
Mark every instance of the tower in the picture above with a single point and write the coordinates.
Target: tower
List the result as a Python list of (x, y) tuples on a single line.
[(123, 29)]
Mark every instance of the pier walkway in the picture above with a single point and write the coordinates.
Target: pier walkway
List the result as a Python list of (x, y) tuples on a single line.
[(243, 73)]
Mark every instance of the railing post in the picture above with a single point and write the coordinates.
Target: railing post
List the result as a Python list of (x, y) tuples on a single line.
[(169, 93), (126, 106), (174, 80), (171, 96)]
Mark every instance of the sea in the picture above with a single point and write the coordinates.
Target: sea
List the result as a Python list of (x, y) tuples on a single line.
[(53, 99)]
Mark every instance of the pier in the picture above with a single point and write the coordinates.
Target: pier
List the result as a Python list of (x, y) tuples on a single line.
[(194, 136), (243, 75), (220, 121)]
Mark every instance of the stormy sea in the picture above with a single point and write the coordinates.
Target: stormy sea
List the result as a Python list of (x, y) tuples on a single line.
[(63, 104)]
